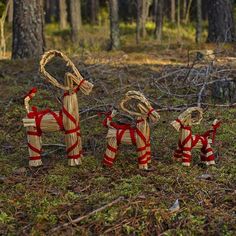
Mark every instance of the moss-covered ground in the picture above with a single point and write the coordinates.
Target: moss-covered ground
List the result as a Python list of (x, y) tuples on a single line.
[(33, 201)]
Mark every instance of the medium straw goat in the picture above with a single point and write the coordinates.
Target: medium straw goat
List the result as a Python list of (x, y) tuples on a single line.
[(66, 120), (188, 141), (125, 133)]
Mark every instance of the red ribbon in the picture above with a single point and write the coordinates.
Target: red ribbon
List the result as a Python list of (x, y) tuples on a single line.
[(31, 93)]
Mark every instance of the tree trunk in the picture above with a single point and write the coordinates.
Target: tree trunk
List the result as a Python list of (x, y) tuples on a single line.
[(114, 24), (138, 22), (63, 14), (199, 21), (188, 11), (184, 11), (47, 11), (75, 19), (173, 11), (178, 13), (144, 14), (159, 20), (10, 12), (28, 38), (221, 26), (94, 8)]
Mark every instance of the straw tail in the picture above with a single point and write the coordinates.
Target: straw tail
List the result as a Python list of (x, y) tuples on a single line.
[(211, 133), (28, 97)]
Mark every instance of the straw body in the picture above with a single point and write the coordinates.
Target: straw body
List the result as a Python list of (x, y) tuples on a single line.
[(66, 120), (139, 136), (187, 141)]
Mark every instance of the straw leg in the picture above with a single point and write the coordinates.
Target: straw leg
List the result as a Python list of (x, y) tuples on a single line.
[(72, 149), (203, 155), (142, 154), (210, 158), (34, 146), (185, 144), (148, 152), (80, 146), (110, 154), (178, 154), (187, 156)]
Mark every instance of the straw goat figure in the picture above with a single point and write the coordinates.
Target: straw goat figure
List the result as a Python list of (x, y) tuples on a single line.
[(188, 141), (66, 120), (125, 133)]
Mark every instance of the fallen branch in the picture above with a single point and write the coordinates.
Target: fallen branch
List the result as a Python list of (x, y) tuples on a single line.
[(200, 95), (77, 220)]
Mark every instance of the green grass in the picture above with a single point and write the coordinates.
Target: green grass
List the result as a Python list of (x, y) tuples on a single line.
[(35, 200)]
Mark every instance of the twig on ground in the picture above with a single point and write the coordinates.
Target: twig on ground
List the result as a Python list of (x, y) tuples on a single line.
[(199, 99), (77, 220)]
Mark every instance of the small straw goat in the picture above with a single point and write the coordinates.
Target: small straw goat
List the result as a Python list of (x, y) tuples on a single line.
[(67, 119), (125, 133), (188, 141)]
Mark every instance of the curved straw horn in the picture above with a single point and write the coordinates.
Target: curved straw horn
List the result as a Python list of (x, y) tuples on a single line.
[(47, 57), (133, 95), (189, 111)]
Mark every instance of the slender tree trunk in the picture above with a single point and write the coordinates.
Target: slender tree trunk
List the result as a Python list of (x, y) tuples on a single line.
[(199, 21), (28, 39), (10, 12), (188, 11), (144, 13), (155, 2), (63, 14), (173, 11), (138, 22), (47, 11), (75, 19), (221, 22), (94, 8), (114, 24), (178, 13), (54, 10), (159, 20), (184, 9)]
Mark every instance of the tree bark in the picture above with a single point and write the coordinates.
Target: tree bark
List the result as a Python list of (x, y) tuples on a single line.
[(173, 11), (75, 19), (10, 12), (159, 20), (144, 15), (178, 13), (138, 22), (199, 21), (114, 24), (184, 9), (94, 8), (188, 11), (28, 38), (221, 26), (63, 14)]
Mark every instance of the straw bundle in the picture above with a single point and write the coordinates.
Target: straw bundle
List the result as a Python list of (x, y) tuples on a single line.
[(86, 87), (192, 116), (35, 146), (67, 119), (138, 136), (187, 141), (71, 122), (47, 124)]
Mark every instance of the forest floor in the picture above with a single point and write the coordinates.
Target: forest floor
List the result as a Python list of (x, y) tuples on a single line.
[(34, 201)]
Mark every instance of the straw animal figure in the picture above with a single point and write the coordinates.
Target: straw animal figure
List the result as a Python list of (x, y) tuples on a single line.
[(188, 141), (125, 133), (66, 120)]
